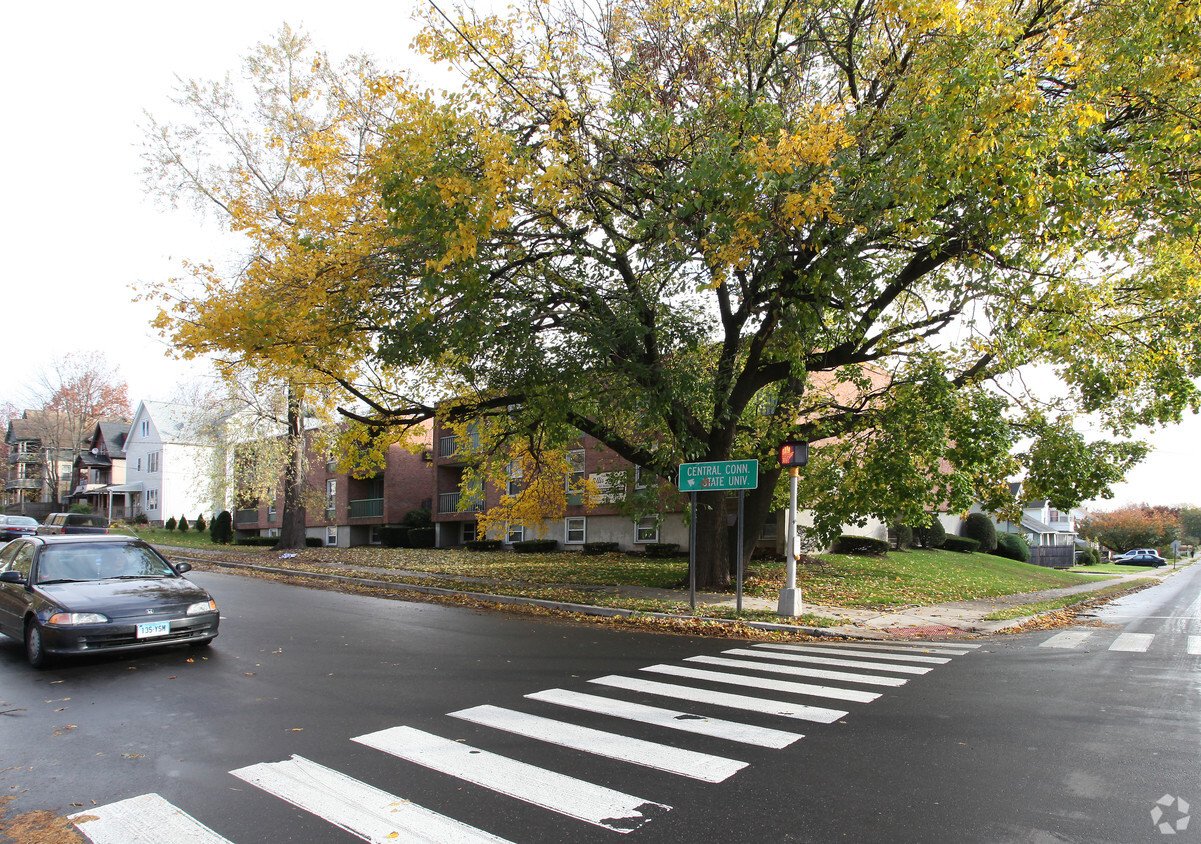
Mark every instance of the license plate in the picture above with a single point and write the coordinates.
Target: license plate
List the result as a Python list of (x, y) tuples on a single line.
[(150, 629)]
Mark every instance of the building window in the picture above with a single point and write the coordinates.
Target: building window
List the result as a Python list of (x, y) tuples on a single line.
[(373, 535), (574, 530), (513, 485), (574, 482), (469, 532), (272, 532), (151, 500), (331, 497), (642, 478), (331, 535), (271, 506), (770, 528), (515, 533), (647, 530), (145, 428), (152, 461), (139, 464)]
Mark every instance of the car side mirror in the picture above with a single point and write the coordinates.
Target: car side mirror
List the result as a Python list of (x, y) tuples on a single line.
[(11, 577), (180, 568)]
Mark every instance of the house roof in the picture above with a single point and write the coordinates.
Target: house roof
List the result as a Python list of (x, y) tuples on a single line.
[(41, 425), (176, 423), (114, 433)]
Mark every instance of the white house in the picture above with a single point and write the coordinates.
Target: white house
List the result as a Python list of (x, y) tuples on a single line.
[(164, 463)]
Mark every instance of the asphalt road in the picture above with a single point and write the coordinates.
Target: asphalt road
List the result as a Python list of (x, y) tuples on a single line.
[(1012, 740)]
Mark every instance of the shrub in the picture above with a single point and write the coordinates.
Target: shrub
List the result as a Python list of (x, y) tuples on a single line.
[(536, 546), (257, 541), (661, 549), (861, 545), (979, 527), (183, 524), (313, 542), (141, 519), (593, 548), (393, 537), (1013, 547), (421, 537), (80, 507), (170, 525), (933, 535), (962, 544), (904, 535), (417, 519), (483, 545), (200, 526), (222, 529)]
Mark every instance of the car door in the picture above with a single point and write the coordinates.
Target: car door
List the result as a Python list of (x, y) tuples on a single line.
[(17, 556)]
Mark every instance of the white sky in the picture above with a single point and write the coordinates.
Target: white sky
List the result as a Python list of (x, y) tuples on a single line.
[(78, 233)]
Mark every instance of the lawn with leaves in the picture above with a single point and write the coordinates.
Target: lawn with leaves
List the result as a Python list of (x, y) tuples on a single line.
[(161, 536), (909, 578)]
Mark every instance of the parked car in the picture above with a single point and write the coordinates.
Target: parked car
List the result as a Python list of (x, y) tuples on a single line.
[(57, 523), (13, 526), (1141, 558), (92, 594)]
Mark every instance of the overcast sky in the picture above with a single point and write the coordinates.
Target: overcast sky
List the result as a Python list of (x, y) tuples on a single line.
[(79, 234)]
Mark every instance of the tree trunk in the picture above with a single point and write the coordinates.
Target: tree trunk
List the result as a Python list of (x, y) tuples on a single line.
[(712, 541), (292, 519)]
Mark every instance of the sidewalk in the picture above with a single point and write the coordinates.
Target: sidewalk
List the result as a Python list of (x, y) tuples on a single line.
[(938, 620)]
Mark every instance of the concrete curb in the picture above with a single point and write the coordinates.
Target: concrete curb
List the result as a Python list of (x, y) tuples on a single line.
[(583, 609)]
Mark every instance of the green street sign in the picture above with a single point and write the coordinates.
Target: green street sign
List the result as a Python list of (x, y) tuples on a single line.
[(719, 475)]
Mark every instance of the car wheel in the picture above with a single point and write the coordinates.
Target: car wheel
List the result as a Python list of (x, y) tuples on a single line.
[(35, 648)]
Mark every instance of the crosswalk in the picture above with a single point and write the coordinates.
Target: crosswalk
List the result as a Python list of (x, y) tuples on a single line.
[(1122, 642), (676, 701)]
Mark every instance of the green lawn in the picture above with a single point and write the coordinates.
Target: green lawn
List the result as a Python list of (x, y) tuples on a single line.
[(160, 536), (918, 577)]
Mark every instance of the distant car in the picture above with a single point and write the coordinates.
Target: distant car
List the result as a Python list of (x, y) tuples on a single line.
[(1136, 552), (58, 523), (1140, 559), (12, 527), (93, 594)]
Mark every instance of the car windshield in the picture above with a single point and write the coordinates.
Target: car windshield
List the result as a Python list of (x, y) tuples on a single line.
[(75, 562), (25, 521)]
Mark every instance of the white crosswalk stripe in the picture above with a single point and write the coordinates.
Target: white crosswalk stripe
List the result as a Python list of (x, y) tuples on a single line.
[(366, 811), (851, 652), (566, 795), (1067, 639), (672, 719), (800, 671), (674, 760), (376, 815), (1133, 642), (821, 660), (146, 819), (801, 712), (904, 648)]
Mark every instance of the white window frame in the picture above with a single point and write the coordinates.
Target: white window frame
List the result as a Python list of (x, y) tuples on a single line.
[(469, 532), (145, 428), (573, 482), (153, 460), (514, 532), (646, 530), (640, 477), (152, 500), (331, 497), (581, 530), (331, 536)]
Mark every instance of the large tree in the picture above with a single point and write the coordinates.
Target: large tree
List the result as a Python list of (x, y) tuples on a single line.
[(278, 155), (696, 229)]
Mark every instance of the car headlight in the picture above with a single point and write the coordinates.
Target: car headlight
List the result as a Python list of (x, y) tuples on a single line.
[(202, 607), (70, 619)]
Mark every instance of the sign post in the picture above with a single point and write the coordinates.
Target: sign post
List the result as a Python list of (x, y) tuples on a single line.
[(716, 476)]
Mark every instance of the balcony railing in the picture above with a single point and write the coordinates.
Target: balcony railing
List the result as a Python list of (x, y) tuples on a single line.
[(367, 508), (450, 446), (246, 517), (452, 502)]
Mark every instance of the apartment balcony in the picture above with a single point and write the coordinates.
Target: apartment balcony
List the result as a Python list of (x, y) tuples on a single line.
[(367, 508), (451, 448), (246, 517), (453, 502), (23, 483)]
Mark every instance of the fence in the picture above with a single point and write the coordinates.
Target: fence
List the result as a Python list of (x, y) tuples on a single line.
[(1053, 556)]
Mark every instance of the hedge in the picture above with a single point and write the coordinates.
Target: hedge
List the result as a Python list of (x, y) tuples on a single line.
[(1013, 547), (393, 537), (592, 548), (421, 537), (536, 546), (483, 545), (846, 544), (661, 549), (963, 544)]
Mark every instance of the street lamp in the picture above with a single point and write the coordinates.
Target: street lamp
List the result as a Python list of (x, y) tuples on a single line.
[(793, 455)]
